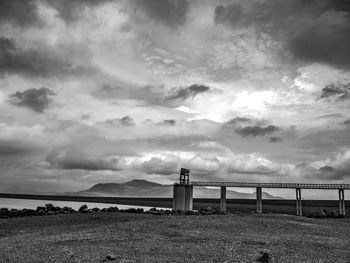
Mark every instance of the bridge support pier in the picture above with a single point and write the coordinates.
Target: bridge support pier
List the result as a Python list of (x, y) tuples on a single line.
[(298, 199), (258, 200), (223, 198), (183, 197), (341, 202)]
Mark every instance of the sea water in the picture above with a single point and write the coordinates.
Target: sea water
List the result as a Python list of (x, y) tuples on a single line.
[(32, 204)]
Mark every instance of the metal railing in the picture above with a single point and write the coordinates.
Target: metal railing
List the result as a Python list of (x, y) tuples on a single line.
[(273, 185)]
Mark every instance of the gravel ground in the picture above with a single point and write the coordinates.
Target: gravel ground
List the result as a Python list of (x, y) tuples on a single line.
[(150, 238)]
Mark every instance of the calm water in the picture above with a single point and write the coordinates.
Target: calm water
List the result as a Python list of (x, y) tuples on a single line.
[(32, 204)]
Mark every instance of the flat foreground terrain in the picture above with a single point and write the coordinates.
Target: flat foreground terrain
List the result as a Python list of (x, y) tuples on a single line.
[(151, 238)]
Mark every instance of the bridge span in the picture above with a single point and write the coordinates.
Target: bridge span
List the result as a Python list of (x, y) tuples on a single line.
[(272, 185), (183, 192)]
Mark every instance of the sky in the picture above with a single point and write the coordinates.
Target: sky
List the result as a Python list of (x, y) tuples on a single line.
[(109, 91)]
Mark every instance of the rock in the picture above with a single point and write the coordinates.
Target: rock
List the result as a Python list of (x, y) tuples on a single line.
[(40, 212), (49, 207), (28, 212), (83, 209), (192, 212), (264, 258), (155, 212), (131, 210), (111, 257), (95, 209), (41, 208), (140, 210), (169, 212), (113, 209), (153, 209)]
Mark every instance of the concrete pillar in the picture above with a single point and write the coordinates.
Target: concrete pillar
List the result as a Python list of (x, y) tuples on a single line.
[(223, 198), (188, 197), (178, 197), (258, 200), (298, 199), (341, 202), (182, 197)]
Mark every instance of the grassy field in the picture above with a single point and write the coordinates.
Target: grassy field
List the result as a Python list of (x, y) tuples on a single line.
[(150, 238)]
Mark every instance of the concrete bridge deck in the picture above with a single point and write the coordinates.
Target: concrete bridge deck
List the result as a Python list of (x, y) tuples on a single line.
[(272, 185)]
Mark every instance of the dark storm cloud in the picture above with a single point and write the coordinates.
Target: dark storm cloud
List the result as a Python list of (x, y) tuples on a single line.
[(335, 173), (167, 123), (15, 147), (125, 121), (231, 14), (339, 90), (36, 99), (347, 122), (70, 10), (155, 95), (236, 122), (312, 31), (247, 127), (323, 43), (169, 12), (78, 161), (275, 139), (32, 62), (340, 5), (158, 166), (327, 169), (253, 131), (187, 92), (20, 12)]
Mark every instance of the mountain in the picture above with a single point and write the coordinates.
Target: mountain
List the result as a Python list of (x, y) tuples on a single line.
[(143, 188)]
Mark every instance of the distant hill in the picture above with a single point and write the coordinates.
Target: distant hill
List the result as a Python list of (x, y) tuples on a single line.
[(143, 188)]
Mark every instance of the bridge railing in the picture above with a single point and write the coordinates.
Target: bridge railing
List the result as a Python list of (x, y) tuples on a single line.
[(273, 185)]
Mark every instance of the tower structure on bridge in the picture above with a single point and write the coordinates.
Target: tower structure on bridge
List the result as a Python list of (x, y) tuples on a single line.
[(183, 192)]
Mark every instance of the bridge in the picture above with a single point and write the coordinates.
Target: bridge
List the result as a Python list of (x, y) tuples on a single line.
[(183, 192)]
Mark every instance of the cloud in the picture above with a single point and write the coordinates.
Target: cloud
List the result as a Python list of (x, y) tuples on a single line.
[(275, 139), (167, 123), (338, 90), (125, 121), (187, 92), (75, 160), (252, 131), (237, 121), (325, 41), (70, 11), (16, 147), (171, 13), (231, 14), (315, 32), (247, 127), (38, 61), (36, 99), (152, 94), (156, 165), (20, 12), (336, 167)]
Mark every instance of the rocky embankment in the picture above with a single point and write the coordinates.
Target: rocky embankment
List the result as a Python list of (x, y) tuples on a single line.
[(50, 209)]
